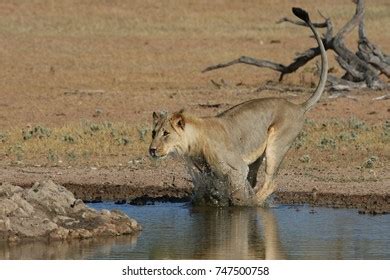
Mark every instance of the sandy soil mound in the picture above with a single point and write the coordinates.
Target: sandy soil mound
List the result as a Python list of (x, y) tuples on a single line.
[(50, 211)]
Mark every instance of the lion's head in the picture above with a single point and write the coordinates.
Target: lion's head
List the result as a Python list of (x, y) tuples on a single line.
[(168, 134)]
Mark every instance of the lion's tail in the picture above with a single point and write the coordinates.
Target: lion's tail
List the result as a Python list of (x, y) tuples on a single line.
[(303, 15)]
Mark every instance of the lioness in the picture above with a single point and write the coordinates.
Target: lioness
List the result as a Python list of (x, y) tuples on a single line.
[(233, 143)]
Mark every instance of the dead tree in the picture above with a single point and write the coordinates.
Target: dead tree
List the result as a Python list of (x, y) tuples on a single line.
[(362, 69)]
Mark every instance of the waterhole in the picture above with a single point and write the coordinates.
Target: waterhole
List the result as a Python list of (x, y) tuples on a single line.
[(180, 231)]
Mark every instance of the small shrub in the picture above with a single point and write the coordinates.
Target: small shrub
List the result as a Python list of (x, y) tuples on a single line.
[(52, 156), (120, 137), (38, 132), (326, 142), (300, 140), (310, 122), (3, 137), (370, 162), (69, 138), (91, 128), (142, 133), (71, 155), (122, 140), (347, 136), (17, 151), (86, 154), (386, 130), (386, 126), (355, 123), (94, 127), (335, 122), (305, 159)]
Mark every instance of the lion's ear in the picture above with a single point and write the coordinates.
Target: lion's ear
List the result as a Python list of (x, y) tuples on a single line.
[(155, 116), (178, 120), (181, 123)]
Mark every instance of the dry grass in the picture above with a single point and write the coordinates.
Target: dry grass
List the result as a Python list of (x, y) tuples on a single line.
[(84, 144), (342, 143), (119, 144)]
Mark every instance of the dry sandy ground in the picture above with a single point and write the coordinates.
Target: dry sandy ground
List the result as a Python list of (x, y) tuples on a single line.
[(62, 60), (65, 62)]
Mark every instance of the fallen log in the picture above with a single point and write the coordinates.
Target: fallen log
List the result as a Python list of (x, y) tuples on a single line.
[(362, 69)]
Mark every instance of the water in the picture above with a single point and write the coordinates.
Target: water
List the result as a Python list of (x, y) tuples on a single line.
[(179, 231)]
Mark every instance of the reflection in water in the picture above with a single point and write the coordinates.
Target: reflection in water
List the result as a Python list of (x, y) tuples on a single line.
[(178, 231), (272, 242), (75, 249), (238, 234)]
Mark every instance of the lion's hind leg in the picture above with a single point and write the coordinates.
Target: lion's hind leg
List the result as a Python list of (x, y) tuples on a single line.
[(279, 142)]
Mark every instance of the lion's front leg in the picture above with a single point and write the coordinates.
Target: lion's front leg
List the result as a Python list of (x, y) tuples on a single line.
[(241, 193), (239, 189)]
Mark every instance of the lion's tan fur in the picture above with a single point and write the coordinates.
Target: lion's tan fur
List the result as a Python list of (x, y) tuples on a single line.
[(234, 142)]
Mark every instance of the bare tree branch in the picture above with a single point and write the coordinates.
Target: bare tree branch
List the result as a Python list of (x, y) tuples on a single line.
[(350, 25), (371, 53), (250, 61), (363, 67), (299, 61), (350, 68), (338, 84)]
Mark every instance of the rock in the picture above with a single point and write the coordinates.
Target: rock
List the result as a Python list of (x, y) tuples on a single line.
[(27, 208), (134, 224), (50, 197), (7, 206), (84, 233), (123, 229), (78, 205), (59, 234), (109, 230), (50, 211), (31, 227), (4, 224), (90, 214), (74, 233), (13, 238), (8, 190)]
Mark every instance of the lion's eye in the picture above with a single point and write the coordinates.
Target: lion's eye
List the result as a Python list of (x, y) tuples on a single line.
[(166, 133), (153, 134)]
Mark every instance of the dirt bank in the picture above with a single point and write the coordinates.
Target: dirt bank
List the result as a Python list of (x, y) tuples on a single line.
[(349, 187)]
